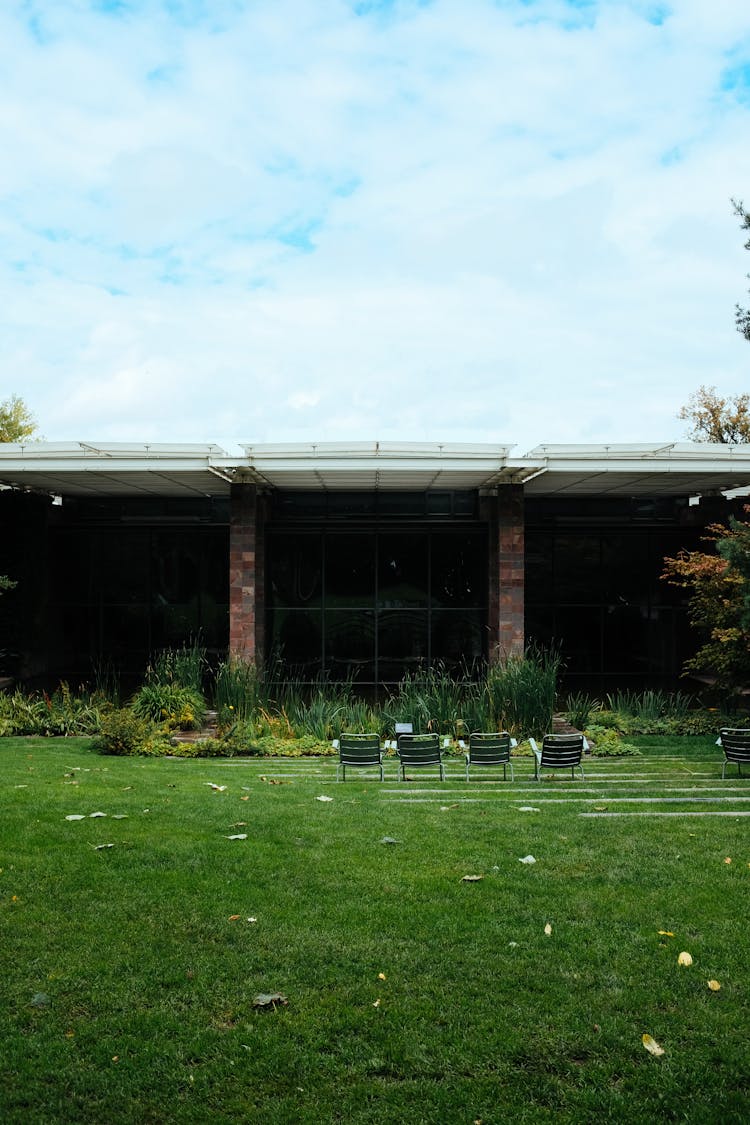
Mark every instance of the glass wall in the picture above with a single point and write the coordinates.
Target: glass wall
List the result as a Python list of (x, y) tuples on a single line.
[(593, 586), (122, 591), (372, 604)]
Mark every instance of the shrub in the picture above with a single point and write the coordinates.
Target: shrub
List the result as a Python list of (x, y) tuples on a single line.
[(607, 743), (170, 703), (123, 733)]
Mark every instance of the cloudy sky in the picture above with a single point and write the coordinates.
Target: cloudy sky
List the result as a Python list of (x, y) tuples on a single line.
[(288, 220)]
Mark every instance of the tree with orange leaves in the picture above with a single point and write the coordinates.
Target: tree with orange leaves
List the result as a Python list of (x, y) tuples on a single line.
[(719, 603)]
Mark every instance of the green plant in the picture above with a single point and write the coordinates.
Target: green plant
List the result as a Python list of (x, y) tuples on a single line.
[(607, 743), (579, 706), (122, 733), (183, 666), (520, 692), (171, 704), (237, 690)]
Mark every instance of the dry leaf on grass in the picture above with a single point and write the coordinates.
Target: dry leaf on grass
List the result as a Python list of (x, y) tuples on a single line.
[(266, 1001), (324, 798), (75, 816), (216, 788), (234, 918), (237, 836), (684, 959), (728, 859), (665, 933), (472, 878), (713, 985), (548, 930), (652, 1046), (527, 859)]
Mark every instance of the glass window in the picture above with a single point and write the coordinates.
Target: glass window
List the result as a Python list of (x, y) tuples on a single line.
[(295, 570), (402, 570), (350, 645), (294, 637), (350, 570), (458, 637), (459, 570)]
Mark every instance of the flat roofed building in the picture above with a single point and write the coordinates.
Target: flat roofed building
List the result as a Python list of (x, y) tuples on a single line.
[(358, 561)]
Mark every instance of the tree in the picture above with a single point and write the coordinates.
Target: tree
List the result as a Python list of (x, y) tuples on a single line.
[(742, 316), (714, 418), (719, 602), (16, 420)]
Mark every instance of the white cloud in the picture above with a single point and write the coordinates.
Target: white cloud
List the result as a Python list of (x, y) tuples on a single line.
[(450, 220)]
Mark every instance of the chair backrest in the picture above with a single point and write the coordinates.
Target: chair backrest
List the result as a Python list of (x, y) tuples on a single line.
[(562, 750), (735, 742), (419, 749), (359, 749), (489, 749)]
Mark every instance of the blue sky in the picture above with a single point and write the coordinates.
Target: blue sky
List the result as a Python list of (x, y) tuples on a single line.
[(288, 220)]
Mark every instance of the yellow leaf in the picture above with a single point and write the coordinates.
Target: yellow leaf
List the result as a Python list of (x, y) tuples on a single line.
[(234, 917), (665, 933), (684, 959), (381, 976), (652, 1046), (728, 859), (377, 1003), (548, 930), (714, 985)]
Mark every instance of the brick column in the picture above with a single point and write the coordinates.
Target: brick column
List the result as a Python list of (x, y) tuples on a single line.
[(505, 520), (245, 573)]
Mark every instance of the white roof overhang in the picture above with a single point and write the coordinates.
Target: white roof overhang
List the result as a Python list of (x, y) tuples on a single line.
[(85, 469)]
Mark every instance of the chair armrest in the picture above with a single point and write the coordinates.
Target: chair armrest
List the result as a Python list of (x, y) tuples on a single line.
[(585, 744), (718, 741), (336, 744), (513, 743), (535, 748)]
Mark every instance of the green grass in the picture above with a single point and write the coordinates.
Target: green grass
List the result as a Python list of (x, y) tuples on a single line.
[(150, 986)]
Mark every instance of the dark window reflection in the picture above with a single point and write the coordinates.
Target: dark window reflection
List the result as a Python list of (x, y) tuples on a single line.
[(350, 570), (402, 571), (459, 570), (295, 637), (350, 645), (295, 570)]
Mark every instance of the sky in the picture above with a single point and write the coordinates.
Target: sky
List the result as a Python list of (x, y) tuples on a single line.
[(242, 221)]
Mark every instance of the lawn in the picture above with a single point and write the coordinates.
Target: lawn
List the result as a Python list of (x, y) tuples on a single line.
[(130, 971)]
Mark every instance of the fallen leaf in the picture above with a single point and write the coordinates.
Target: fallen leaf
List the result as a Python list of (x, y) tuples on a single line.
[(381, 976), (216, 788), (377, 1003), (244, 798), (548, 930), (40, 1000), (234, 918), (97, 814), (266, 1000), (665, 933), (472, 878), (252, 919), (120, 816), (527, 859), (75, 816), (652, 1046), (239, 824), (528, 808), (324, 798), (100, 847), (728, 859), (713, 985), (684, 959), (237, 836), (513, 944), (447, 808), (389, 840), (600, 808)]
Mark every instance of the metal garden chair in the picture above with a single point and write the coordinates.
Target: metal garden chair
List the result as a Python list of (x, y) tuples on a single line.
[(415, 751), (361, 751), (490, 750), (735, 742), (559, 752)]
